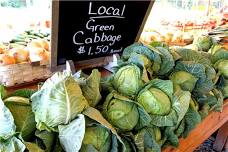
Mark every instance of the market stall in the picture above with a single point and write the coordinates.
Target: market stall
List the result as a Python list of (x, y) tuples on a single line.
[(158, 95)]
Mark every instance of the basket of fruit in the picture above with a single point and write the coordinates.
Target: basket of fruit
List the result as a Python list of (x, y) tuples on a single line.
[(24, 59)]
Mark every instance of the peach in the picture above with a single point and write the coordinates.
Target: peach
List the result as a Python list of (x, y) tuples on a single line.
[(20, 55), (6, 59)]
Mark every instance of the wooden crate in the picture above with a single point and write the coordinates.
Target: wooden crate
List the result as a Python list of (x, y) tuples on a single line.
[(15, 74)]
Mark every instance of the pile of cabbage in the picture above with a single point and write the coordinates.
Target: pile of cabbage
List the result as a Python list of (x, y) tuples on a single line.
[(156, 95)]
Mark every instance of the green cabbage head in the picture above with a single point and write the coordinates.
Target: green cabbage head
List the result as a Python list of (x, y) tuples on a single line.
[(58, 102), (127, 80), (97, 136), (225, 91), (184, 79), (204, 43), (154, 101), (222, 67), (156, 97), (121, 113), (140, 59)]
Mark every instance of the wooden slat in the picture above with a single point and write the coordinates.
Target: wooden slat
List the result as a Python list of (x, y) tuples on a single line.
[(33, 85), (203, 131)]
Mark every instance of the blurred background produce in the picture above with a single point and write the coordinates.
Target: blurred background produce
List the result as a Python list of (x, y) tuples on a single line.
[(29, 46), (183, 20), (22, 23)]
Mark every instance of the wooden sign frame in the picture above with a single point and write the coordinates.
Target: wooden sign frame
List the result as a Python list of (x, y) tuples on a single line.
[(91, 63)]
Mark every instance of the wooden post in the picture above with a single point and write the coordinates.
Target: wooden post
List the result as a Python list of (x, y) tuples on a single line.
[(221, 138), (208, 7), (226, 146), (28, 3)]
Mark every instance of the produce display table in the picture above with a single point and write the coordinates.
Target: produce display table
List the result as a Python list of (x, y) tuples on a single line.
[(203, 130)]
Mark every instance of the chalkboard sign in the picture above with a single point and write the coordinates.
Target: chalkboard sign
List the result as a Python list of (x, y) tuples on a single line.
[(84, 31)]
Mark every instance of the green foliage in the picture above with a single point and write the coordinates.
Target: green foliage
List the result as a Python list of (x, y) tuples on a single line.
[(127, 80), (200, 67), (26, 93), (185, 80), (2, 91), (97, 137), (123, 113), (7, 128), (33, 147), (71, 135), (203, 43), (145, 140), (192, 118), (64, 95), (167, 61), (219, 54), (172, 104), (120, 112), (13, 3), (9, 140), (45, 140), (91, 88), (12, 144), (24, 118), (160, 59), (154, 101), (222, 67)]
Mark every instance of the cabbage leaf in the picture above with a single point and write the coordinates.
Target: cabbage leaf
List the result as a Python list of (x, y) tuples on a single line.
[(63, 94)]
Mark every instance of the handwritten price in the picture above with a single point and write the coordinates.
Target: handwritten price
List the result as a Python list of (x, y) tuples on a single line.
[(99, 49)]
